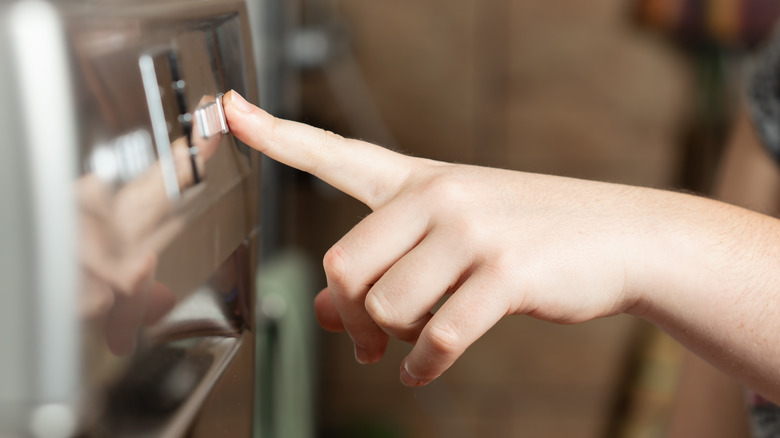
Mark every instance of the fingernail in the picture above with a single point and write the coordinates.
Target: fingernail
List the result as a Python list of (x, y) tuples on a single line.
[(408, 378), (361, 355), (239, 102)]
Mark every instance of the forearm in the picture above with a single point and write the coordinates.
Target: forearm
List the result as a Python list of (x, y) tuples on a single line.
[(708, 402), (710, 276), (500, 242)]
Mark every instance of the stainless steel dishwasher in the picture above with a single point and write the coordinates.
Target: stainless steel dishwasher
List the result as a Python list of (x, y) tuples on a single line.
[(129, 220)]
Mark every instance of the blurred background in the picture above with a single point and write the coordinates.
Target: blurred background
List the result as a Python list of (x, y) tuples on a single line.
[(642, 92), (635, 92)]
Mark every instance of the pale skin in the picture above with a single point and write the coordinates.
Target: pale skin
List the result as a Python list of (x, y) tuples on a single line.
[(512, 243), (710, 403)]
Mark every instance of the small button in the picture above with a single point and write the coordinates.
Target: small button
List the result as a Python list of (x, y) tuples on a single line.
[(123, 158)]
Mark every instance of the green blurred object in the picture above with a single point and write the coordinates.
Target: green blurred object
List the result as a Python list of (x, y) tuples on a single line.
[(366, 428), (285, 383)]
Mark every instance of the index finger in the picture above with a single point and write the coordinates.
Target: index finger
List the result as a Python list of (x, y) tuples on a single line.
[(367, 172)]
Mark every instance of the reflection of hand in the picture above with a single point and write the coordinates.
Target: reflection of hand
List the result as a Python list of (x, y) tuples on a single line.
[(120, 292), (504, 242)]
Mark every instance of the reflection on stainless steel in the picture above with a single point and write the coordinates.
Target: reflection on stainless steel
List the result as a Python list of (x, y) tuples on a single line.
[(181, 360), (155, 230), (124, 158), (211, 118), (219, 307), (159, 124)]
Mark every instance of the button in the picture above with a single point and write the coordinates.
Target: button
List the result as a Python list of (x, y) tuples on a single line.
[(124, 158), (211, 119)]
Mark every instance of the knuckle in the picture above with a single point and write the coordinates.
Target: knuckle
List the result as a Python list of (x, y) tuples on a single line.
[(331, 137), (272, 127), (444, 189), (328, 144), (381, 310), (377, 308), (335, 264), (445, 338)]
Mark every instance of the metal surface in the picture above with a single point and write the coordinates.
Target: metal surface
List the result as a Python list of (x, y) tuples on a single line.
[(211, 119), (159, 125), (131, 304), (41, 388)]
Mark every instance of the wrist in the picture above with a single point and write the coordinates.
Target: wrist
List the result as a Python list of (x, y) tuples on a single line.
[(663, 251)]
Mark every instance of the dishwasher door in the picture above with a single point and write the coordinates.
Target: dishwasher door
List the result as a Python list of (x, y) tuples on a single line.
[(130, 220)]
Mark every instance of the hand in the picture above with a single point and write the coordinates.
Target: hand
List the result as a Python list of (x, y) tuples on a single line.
[(500, 242)]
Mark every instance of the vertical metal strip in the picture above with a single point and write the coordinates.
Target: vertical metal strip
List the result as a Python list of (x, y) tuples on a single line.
[(159, 126)]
